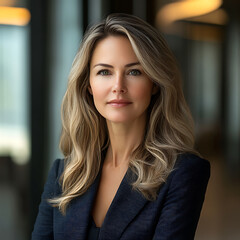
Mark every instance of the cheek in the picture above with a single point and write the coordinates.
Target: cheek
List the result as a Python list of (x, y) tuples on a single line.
[(98, 92), (143, 91), (95, 89)]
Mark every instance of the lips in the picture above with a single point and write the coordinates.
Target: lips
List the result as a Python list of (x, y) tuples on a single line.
[(119, 102)]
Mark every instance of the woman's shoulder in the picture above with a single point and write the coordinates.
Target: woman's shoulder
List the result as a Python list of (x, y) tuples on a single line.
[(190, 174), (191, 164), (57, 168), (191, 160)]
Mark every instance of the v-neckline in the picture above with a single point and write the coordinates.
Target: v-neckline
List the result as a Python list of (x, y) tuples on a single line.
[(114, 198), (126, 198), (93, 222)]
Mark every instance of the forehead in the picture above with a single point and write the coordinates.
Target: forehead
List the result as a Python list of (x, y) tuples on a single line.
[(113, 49)]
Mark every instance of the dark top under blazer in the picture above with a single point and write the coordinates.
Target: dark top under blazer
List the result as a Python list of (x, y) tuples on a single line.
[(172, 216)]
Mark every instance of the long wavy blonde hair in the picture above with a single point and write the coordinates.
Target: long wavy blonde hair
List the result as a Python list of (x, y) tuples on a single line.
[(169, 129)]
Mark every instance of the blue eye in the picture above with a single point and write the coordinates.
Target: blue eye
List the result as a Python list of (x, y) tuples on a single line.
[(135, 72), (103, 72)]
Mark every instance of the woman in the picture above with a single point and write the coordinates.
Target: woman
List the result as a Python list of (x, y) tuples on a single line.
[(130, 170)]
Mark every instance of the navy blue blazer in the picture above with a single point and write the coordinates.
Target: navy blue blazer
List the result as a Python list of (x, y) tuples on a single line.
[(172, 216)]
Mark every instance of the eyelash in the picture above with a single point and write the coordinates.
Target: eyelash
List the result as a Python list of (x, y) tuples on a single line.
[(101, 72), (105, 72), (137, 72)]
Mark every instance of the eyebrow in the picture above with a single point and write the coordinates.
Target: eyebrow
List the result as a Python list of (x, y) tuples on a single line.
[(110, 66)]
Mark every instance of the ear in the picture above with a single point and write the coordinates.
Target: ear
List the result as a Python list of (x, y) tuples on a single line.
[(154, 89), (90, 90)]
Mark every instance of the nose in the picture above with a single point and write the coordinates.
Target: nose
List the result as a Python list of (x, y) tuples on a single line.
[(119, 84)]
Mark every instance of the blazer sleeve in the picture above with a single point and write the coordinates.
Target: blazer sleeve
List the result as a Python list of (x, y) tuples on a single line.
[(182, 206), (43, 228)]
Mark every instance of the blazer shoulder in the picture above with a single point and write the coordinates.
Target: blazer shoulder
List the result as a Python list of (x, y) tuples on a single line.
[(190, 160), (54, 174), (191, 165), (183, 198), (57, 168), (52, 185)]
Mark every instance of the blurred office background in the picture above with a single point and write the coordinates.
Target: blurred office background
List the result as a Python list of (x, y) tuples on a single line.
[(38, 41)]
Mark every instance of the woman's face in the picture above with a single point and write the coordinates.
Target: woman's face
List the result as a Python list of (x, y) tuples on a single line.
[(121, 90)]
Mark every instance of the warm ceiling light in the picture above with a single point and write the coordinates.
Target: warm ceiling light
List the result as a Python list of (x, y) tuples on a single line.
[(14, 16), (218, 17), (186, 9), (7, 2)]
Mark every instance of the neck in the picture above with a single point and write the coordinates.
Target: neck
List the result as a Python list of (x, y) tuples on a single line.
[(124, 139)]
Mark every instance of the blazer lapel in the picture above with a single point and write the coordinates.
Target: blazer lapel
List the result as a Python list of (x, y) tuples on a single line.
[(79, 213), (124, 207)]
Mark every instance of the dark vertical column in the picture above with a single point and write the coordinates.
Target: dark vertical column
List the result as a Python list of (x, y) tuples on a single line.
[(38, 96), (122, 6), (223, 89), (232, 96), (151, 12), (117, 6), (127, 6), (230, 88), (85, 14)]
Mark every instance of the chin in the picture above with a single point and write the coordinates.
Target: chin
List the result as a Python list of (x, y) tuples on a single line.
[(119, 119)]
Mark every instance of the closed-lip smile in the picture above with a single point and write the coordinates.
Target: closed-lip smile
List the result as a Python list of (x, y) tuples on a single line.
[(119, 102)]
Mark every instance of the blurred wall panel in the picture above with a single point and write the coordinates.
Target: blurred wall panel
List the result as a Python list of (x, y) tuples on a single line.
[(232, 91), (14, 131), (140, 8), (14, 121), (14, 93), (64, 37), (95, 11), (204, 75)]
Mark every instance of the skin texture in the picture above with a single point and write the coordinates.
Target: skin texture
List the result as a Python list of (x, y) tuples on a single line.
[(121, 93)]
